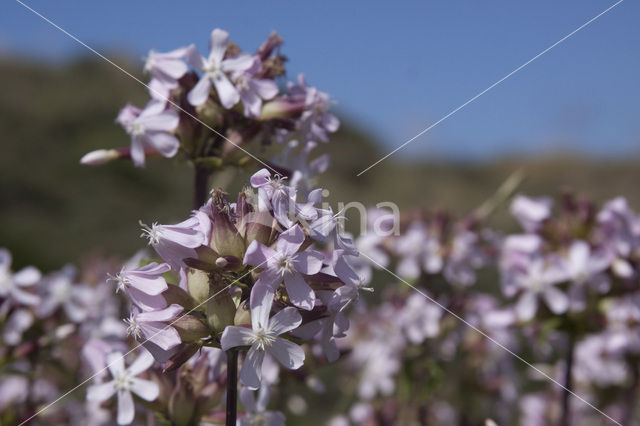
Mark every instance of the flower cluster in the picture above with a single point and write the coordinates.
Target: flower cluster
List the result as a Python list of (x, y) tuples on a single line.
[(47, 322), (568, 302), (264, 273), (208, 107)]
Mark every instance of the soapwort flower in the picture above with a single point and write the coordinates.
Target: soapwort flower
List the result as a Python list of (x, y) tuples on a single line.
[(150, 128), (263, 337), (125, 383), (215, 69)]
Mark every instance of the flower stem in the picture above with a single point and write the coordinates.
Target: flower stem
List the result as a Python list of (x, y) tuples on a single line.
[(632, 394), (232, 387), (568, 381), (201, 186)]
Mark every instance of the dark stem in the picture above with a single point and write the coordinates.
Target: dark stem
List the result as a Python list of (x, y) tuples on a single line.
[(232, 387), (201, 186), (632, 394), (568, 382)]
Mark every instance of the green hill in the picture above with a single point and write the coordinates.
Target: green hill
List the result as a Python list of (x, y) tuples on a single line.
[(55, 211)]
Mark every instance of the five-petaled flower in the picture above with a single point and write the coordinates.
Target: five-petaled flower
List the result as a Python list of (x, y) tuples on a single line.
[(150, 128), (287, 264), (214, 70), (124, 383), (263, 337)]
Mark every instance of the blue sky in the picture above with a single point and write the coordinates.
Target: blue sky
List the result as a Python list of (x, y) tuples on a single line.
[(395, 68)]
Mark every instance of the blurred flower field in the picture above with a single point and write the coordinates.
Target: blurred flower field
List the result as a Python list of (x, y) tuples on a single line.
[(271, 285)]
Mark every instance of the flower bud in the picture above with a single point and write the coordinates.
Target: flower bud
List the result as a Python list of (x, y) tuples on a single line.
[(198, 284), (243, 314), (99, 157), (225, 239), (183, 355), (281, 108), (190, 328), (220, 310), (258, 226), (176, 295), (182, 404)]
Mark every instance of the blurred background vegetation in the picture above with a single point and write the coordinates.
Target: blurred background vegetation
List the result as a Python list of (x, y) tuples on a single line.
[(54, 211)]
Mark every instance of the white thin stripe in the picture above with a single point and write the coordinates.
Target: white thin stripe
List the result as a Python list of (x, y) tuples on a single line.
[(490, 87)]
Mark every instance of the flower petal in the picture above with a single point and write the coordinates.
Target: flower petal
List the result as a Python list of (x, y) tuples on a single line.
[(239, 63), (166, 143), (265, 88), (261, 301), (287, 353), (218, 45), (251, 372), (145, 389), (300, 294), (161, 334), (227, 92), (234, 336), (142, 363), (165, 121), (290, 240), (27, 276), (115, 363), (259, 178), (166, 314), (137, 150), (200, 92), (285, 320), (126, 410), (101, 392), (308, 262), (258, 255), (556, 300), (527, 306)]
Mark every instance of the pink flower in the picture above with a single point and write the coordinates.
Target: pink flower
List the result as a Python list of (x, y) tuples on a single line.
[(60, 291), (150, 127), (418, 250), (12, 285), (153, 326), (253, 90), (124, 383), (256, 409), (531, 212), (286, 264), (215, 69), (331, 326), (316, 120), (144, 285), (274, 195), (539, 279), (166, 69), (174, 242), (263, 337)]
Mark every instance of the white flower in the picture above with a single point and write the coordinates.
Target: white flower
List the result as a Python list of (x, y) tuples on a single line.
[(263, 337), (214, 70), (124, 383), (11, 285)]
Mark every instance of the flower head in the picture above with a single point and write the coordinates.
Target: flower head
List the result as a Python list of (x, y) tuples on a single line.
[(124, 383), (263, 337)]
